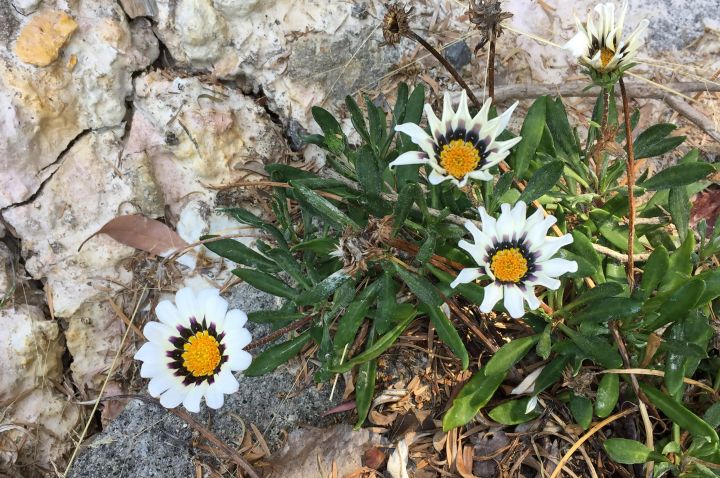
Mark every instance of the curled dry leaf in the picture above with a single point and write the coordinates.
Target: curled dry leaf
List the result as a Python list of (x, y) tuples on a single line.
[(464, 462), (373, 458), (140, 232)]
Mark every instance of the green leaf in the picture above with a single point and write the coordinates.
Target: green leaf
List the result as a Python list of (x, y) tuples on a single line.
[(654, 141), (378, 124), (680, 267), (607, 309), (239, 253), (415, 105), (274, 316), (324, 207), (357, 118), (712, 286), (404, 204), (544, 346), (448, 334), (531, 132), (246, 217), (321, 245), (334, 136), (630, 452), (679, 175), (550, 374), (682, 417), (599, 350), (712, 415), (381, 345), (276, 355), (562, 133), (419, 286), (677, 306), (655, 269), (266, 283), (679, 207), (349, 323), (513, 412), (365, 384), (323, 290), (510, 354), (582, 410), (542, 181), (582, 246), (367, 172), (602, 291), (386, 303), (287, 262), (472, 398), (608, 393)]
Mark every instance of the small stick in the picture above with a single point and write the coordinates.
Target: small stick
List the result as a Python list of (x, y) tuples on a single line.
[(491, 64), (451, 69), (630, 185), (279, 333)]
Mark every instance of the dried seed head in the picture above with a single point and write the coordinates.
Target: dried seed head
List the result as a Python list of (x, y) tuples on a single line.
[(355, 250), (396, 23), (487, 15)]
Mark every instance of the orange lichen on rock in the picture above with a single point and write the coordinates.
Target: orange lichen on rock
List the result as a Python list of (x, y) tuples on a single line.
[(40, 41)]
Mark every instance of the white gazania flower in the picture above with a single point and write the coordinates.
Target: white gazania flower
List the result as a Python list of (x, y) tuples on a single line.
[(601, 47), (516, 254), (460, 147), (192, 352)]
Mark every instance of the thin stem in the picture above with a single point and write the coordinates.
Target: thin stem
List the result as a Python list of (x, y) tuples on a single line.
[(491, 65), (630, 185), (451, 69), (279, 333), (597, 156)]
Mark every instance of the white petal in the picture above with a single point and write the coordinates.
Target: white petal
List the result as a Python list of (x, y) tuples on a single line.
[(236, 338), (481, 175), (436, 128), (227, 382), (418, 136), (187, 304), (158, 333), (236, 318), (448, 112), (436, 178), (168, 314), (621, 22), (193, 397), (160, 383), (482, 116), (465, 276), (551, 245), (174, 397), (544, 281), (411, 157), (239, 360), (578, 45), (150, 352), (557, 267), (488, 224), (504, 118), (513, 301), (529, 296), (214, 396), (462, 117), (215, 310), (531, 405), (504, 226), (481, 239), (476, 252), (519, 213), (493, 293), (535, 219), (153, 369), (538, 233), (528, 383)]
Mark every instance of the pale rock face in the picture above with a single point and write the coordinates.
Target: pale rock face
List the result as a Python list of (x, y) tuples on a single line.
[(203, 30), (298, 53), (43, 109), (87, 190)]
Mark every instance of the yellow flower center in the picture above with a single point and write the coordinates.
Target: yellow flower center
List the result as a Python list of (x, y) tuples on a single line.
[(606, 56), (202, 354), (459, 158), (509, 265)]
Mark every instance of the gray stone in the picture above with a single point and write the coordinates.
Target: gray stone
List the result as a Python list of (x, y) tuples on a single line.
[(458, 55), (144, 441), (675, 24)]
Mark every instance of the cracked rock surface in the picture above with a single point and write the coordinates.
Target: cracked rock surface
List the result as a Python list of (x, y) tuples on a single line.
[(111, 107)]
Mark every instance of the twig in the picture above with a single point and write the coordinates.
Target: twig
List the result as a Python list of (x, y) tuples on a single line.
[(580, 90), (630, 185), (491, 64), (451, 69), (619, 256), (698, 118), (586, 437), (279, 333)]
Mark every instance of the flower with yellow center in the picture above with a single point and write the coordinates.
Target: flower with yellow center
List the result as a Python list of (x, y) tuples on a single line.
[(601, 46), (193, 350), (516, 254), (459, 147)]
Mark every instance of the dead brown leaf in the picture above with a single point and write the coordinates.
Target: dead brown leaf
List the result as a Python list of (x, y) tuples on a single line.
[(140, 232), (464, 462)]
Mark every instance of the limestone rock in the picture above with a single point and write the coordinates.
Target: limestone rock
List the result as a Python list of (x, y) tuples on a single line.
[(41, 39), (88, 189), (43, 110), (30, 349)]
